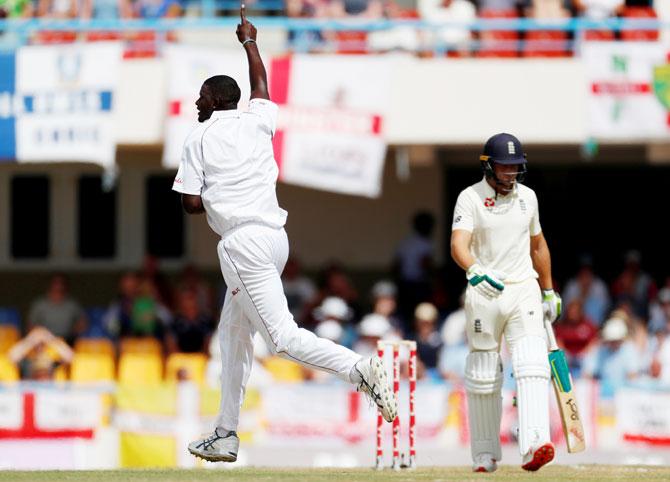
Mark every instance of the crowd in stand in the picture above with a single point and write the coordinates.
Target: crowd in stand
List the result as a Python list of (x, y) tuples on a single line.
[(614, 332), (453, 40)]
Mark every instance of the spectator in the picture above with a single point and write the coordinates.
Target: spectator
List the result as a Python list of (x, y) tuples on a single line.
[(384, 302), (106, 9), (634, 285), (154, 9), (330, 330), (659, 368), (413, 265), (451, 363), (192, 280), (16, 9), (498, 5), (333, 281), (590, 290), (144, 320), (398, 37), (190, 330), (152, 276), (335, 309), (57, 312), (306, 40), (428, 340), (300, 291), (547, 9), (453, 328), (599, 9), (659, 316), (615, 360), (57, 9), (451, 38), (372, 328), (576, 334), (39, 354), (120, 311)]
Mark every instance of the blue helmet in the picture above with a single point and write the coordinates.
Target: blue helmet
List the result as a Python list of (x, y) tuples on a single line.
[(505, 149)]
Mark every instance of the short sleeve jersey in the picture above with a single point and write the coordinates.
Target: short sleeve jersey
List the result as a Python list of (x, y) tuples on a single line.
[(228, 160), (501, 228)]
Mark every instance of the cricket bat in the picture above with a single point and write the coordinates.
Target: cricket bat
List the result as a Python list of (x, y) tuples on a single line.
[(567, 403)]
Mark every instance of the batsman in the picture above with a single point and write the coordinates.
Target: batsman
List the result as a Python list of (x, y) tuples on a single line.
[(497, 239)]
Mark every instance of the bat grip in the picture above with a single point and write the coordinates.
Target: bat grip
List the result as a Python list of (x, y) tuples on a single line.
[(553, 346)]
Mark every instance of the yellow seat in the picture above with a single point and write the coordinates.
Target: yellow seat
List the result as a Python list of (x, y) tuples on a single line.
[(92, 367), (140, 369), (147, 345), (283, 370), (9, 335), (8, 370), (186, 366), (94, 345)]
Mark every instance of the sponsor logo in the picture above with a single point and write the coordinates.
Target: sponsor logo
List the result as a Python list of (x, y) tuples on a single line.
[(489, 202), (572, 404), (662, 85), (178, 180), (478, 326), (522, 205), (510, 148), (235, 291), (457, 220)]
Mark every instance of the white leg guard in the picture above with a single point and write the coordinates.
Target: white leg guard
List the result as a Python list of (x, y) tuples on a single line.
[(531, 370), (483, 380)]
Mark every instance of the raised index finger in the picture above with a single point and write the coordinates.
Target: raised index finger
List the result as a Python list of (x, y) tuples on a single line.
[(243, 13)]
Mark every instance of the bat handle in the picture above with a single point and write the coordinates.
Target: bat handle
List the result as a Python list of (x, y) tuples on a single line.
[(553, 346)]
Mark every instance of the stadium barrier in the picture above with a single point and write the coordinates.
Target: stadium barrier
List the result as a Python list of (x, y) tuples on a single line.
[(70, 426)]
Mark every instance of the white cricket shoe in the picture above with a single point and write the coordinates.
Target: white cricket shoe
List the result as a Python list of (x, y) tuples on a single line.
[(484, 463), (374, 383), (217, 447), (538, 457)]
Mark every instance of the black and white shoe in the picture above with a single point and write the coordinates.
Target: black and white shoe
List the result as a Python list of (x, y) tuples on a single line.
[(217, 447), (375, 385)]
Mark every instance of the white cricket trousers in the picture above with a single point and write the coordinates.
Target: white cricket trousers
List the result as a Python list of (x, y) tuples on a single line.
[(252, 257)]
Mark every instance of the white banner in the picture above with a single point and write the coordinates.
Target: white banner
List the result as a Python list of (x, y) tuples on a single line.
[(629, 90), (11, 410), (188, 67), (67, 94), (643, 415), (67, 410), (332, 415), (330, 133)]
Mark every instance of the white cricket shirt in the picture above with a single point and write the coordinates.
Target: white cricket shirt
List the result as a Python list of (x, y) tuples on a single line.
[(501, 228), (228, 161)]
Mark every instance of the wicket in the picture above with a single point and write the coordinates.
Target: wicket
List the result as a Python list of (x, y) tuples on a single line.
[(397, 463)]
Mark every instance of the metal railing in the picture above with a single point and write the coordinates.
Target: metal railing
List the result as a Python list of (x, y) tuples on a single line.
[(16, 32)]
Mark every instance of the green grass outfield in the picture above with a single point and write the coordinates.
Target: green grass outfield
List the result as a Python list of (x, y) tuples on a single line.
[(461, 474)]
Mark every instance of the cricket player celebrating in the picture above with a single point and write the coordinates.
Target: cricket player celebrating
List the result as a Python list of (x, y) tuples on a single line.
[(228, 171), (497, 239)]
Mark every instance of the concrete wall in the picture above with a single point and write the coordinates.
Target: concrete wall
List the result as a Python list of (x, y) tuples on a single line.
[(433, 101)]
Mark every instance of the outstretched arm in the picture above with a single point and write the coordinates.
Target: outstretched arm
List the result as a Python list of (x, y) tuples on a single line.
[(246, 34)]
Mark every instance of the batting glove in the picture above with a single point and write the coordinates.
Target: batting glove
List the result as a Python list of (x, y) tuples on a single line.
[(551, 305), (487, 282)]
